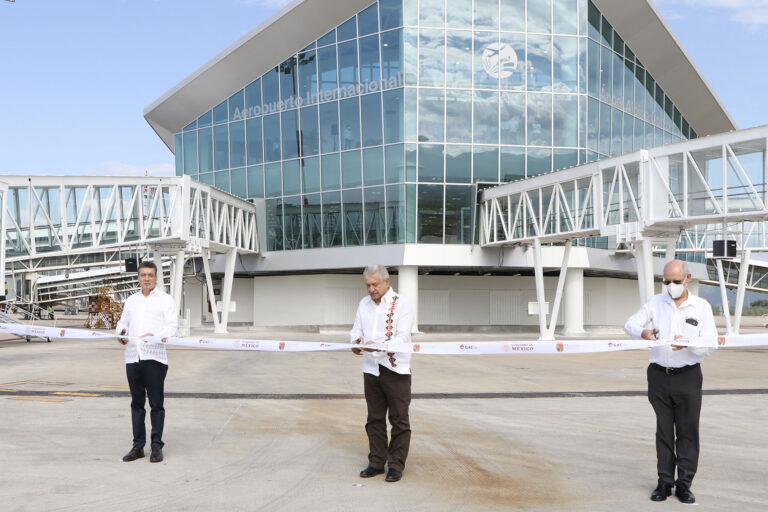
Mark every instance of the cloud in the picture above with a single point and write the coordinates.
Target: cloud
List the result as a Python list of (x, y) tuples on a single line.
[(269, 4), (750, 13)]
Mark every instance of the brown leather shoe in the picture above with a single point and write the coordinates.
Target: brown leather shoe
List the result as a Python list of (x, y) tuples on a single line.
[(156, 455), (135, 453)]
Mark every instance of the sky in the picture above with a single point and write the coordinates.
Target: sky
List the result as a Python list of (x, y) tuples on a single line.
[(76, 75)]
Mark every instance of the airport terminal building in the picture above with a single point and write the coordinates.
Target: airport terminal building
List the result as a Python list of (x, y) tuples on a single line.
[(364, 131)]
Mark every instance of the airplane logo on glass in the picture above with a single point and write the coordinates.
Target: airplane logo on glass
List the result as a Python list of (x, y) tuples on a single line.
[(499, 60)]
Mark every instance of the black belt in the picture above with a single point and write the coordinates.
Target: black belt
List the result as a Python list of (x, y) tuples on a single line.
[(674, 371)]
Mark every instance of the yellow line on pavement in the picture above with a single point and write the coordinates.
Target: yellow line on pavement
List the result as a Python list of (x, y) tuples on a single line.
[(67, 393), (11, 390), (36, 399)]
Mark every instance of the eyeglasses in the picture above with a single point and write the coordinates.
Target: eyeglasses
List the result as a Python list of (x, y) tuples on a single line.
[(676, 281)]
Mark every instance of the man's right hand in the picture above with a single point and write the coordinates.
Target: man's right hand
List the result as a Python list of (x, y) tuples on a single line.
[(123, 341), (650, 334)]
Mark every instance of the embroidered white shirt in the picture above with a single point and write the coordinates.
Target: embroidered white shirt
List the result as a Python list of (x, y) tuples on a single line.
[(692, 318), (155, 314), (371, 325)]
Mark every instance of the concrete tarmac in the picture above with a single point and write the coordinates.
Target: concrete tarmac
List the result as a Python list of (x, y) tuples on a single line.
[(284, 431)]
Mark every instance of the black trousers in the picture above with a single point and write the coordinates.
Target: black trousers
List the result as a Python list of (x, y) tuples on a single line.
[(390, 391), (147, 378), (676, 400)]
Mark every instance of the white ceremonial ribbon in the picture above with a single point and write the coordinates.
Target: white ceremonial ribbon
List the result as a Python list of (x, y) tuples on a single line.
[(581, 346)]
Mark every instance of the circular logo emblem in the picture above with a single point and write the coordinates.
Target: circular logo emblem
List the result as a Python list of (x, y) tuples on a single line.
[(499, 60)]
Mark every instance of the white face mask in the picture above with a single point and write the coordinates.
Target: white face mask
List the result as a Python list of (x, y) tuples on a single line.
[(675, 290)]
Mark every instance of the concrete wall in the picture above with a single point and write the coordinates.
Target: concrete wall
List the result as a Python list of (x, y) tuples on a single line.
[(443, 300)]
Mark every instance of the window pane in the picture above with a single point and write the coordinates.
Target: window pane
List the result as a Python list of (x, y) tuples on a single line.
[(410, 162), (273, 175), (606, 74), (206, 178), (513, 15), (326, 62), (392, 54), (374, 216), (604, 143), (205, 145), (540, 119), (458, 164), (292, 222), (237, 144), (458, 116), (393, 116), (512, 164), (290, 130), (431, 57), (239, 184), (308, 76), (353, 216), (331, 172), (487, 14), (291, 178), (272, 137), (369, 59), (512, 118), (253, 140), (329, 126), (512, 61), (616, 132), (565, 17), (270, 86), (430, 217), (370, 106), (253, 98), (395, 163), (459, 14), (396, 214), (312, 228), (190, 152), (220, 114), (486, 117), (487, 60), (221, 147), (459, 59), (205, 119), (431, 162), (539, 161), (329, 38), (566, 64), (431, 115), (348, 64), (564, 158), (288, 80), (432, 13), (411, 56), (350, 120), (593, 123), (539, 63), (486, 163), (458, 214), (368, 21), (351, 171), (390, 13), (347, 30), (539, 19), (310, 174), (593, 69), (221, 180), (373, 166), (256, 181), (566, 124), (274, 209), (332, 223), (310, 144), (236, 106)]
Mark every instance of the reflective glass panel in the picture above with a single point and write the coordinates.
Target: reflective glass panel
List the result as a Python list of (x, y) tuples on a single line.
[(237, 144), (513, 15), (512, 162), (290, 130), (395, 214), (539, 16), (458, 214), (430, 216), (373, 166), (190, 152), (539, 161), (274, 210), (539, 63), (566, 64), (368, 21), (512, 61), (221, 180), (393, 116), (310, 143), (288, 80), (458, 63), (375, 215), (205, 119), (390, 13), (512, 118), (347, 30), (291, 177), (292, 222), (351, 169), (394, 163), (487, 14), (370, 107), (253, 98), (326, 62), (540, 119), (236, 106), (458, 116), (431, 120), (221, 147), (566, 124), (329, 38), (273, 179), (458, 164), (350, 122), (486, 163), (432, 57), (239, 184), (256, 181), (308, 76), (310, 173), (329, 127), (459, 14), (348, 64), (312, 228), (486, 117), (205, 145), (432, 13), (331, 172), (487, 55), (332, 220), (565, 19), (220, 114), (270, 85), (431, 162), (391, 54), (369, 59), (272, 138), (253, 141), (352, 205)]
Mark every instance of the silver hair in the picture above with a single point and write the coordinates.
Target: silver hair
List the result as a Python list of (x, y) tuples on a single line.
[(373, 269)]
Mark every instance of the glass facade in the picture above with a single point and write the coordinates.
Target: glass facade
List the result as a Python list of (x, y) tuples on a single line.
[(376, 132)]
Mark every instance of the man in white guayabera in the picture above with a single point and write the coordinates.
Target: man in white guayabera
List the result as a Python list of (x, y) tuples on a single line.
[(384, 317), (149, 312), (674, 377)]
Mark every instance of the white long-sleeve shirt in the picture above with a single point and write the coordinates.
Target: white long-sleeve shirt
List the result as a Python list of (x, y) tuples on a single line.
[(371, 324), (155, 314), (661, 313)]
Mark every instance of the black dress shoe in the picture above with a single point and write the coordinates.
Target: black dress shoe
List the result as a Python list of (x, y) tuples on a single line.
[(393, 475), (661, 492), (135, 453), (156, 455), (684, 494), (371, 471)]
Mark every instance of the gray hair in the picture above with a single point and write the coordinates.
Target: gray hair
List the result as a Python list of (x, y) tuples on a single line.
[(683, 264), (373, 269)]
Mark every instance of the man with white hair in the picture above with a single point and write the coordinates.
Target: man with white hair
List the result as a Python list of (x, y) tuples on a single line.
[(674, 377), (384, 317)]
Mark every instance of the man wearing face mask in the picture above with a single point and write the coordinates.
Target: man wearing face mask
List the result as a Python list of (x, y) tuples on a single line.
[(674, 377)]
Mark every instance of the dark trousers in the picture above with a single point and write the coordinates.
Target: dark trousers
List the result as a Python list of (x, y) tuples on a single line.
[(147, 378), (389, 391), (676, 400)]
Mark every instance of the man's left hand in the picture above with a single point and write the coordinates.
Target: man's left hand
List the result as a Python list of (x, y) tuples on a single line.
[(677, 347)]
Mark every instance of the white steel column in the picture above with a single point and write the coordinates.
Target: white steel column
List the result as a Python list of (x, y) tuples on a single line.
[(157, 257), (559, 291), (724, 296), (741, 291), (644, 257), (573, 314), (176, 279), (226, 290), (211, 295), (539, 277), (408, 286)]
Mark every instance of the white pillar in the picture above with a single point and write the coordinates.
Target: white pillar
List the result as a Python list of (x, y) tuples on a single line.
[(538, 271), (741, 291), (724, 296), (157, 258), (226, 290), (559, 292), (211, 295), (573, 314), (408, 286), (176, 279)]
